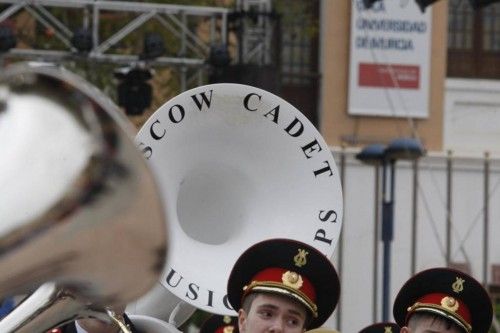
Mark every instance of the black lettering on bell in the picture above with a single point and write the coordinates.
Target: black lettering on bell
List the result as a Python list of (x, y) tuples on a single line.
[(176, 118), (147, 151), (210, 298), (321, 236), (274, 113), (311, 147), (247, 98), (169, 277), (298, 130), (154, 134), (323, 170), (204, 98), (194, 293), (326, 216)]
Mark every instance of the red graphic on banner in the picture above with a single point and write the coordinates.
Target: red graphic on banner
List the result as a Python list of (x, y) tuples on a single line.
[(389, 76)]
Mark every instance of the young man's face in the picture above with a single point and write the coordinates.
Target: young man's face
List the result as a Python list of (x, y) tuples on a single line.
[(430, 325), (272, 313)]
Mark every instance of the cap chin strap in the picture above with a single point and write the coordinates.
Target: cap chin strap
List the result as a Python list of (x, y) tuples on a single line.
[(274, 287), (436, 309)]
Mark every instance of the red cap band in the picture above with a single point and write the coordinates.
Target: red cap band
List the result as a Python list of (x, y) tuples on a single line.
[(443, 303), (282, 280), (225, 329), (276, 275)]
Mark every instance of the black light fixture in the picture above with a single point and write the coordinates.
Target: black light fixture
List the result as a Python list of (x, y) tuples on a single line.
[(219, 56), (476, 4), (82, 40), (219, 60), (7, 38), (153, 46), (372, 154), (422, 4), (404, 149), (134, 92), (369, 3)]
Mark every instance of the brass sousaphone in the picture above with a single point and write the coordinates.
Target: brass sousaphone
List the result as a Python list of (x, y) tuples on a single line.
[(236, 165), (80, 214)]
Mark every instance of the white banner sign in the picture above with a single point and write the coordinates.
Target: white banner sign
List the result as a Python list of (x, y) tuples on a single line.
[(389, 71)]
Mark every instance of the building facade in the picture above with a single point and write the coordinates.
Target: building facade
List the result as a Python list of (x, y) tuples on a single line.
[(444, 206)]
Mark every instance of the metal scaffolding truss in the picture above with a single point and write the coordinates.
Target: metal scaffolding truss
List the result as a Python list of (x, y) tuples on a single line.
[(174, 19), (256, 35)]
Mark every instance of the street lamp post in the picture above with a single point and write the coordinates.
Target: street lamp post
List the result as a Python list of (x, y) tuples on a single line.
[(386, 156), (387, 231)]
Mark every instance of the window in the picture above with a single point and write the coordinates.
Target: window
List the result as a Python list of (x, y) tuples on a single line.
[(473, 40), (460, 25), (298, 37), (299, 34), (491, 28)]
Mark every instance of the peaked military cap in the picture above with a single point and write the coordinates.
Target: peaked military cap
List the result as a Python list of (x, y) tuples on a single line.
[(220, 324), (381, 328), (448, 293), (287, 267)]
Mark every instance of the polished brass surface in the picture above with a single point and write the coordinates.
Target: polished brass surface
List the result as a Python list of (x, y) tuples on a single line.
[(119, 321), (79, 208), (49, 306)]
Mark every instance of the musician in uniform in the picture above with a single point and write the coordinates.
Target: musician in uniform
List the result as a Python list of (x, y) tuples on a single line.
[(220, 324), (381, 328), (282, 285), (443, 300)]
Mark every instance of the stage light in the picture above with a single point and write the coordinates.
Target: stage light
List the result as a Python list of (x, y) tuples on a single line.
[(219, 60), (219, 56), (153, 46), (476, 4), (134, 92), (369, 3), (7, 38), (82, 40), (424, 3)]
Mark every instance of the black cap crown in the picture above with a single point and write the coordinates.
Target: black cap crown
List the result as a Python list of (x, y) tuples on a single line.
[(381, 328), (220, 324)]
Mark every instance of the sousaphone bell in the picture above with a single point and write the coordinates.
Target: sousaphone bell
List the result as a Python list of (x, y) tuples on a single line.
[(236, 165)]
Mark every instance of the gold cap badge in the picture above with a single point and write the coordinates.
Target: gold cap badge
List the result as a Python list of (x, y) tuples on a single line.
[(450, 303), (458, 285), (300, 258), (228, 329), (387, 329), (292, 279)]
